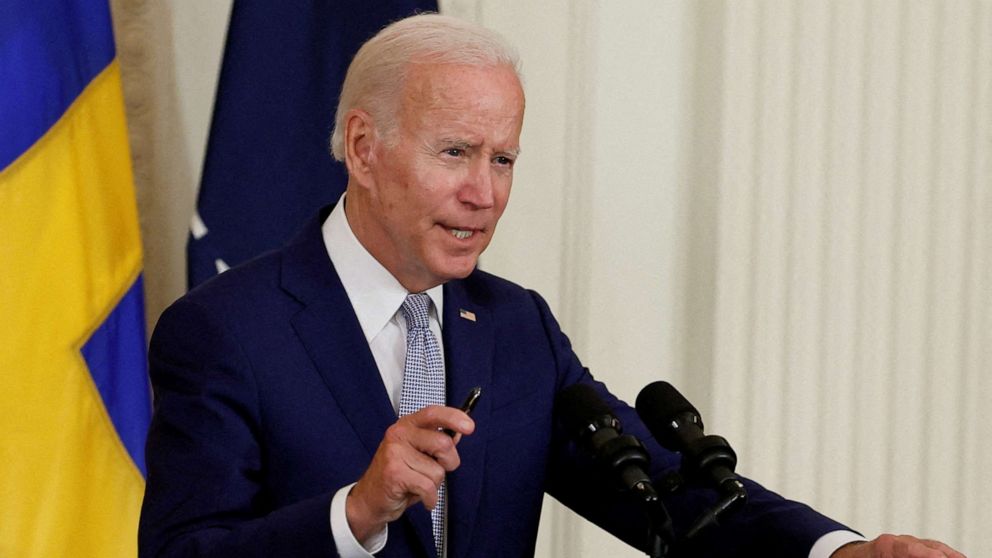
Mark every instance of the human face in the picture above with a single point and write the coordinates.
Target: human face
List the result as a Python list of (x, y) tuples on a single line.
[(441, 182)]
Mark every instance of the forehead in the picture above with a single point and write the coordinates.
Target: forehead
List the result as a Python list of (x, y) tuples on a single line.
[(451, 94)]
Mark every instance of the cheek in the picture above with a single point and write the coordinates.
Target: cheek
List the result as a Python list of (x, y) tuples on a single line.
[(423, 178), (502, 193)]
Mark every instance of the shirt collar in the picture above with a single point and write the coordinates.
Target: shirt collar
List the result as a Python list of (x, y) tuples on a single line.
[(374, 293)]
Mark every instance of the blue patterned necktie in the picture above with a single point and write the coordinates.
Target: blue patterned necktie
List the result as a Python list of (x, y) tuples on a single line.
[(423, 383)]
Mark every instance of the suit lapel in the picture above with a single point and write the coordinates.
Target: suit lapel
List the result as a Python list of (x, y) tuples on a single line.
[(345, 363), (328, 328), (468, 345)]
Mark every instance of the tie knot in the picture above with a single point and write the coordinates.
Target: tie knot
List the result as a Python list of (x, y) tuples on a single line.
[(416, 310)]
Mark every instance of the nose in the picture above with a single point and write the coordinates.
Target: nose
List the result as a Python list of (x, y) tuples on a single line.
[(477, 190)]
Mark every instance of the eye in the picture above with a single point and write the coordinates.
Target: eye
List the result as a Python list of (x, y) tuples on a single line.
[(454, 152), (503, 161)]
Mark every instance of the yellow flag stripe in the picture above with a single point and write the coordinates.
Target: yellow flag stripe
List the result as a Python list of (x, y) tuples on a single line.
[(69, 247)]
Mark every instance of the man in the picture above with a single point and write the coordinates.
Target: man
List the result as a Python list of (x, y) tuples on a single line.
[(278, 384)]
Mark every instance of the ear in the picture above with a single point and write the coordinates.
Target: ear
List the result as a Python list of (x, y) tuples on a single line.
[(359, 143)]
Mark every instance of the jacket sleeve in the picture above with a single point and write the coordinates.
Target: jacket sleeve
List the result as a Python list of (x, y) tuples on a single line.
[(204, 494), (768, 525)]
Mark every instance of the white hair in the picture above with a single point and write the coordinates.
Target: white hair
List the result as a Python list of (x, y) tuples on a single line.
[(377, 74)]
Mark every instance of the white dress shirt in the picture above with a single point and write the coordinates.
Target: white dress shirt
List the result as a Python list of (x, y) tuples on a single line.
[(377, 297)]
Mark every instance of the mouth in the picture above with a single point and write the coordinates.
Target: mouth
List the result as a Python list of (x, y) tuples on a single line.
[(461, 234)]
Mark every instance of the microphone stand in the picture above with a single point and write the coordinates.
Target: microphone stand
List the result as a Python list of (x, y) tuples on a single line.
[(661, 534), (735, 495), (626, 455), (712, 458)]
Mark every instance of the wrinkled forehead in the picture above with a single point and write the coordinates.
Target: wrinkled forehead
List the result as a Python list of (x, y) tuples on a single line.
[(494, 90)]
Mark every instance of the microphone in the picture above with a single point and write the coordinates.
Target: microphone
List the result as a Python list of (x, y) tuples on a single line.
[(586, 417), (676, 424), (590, 420)]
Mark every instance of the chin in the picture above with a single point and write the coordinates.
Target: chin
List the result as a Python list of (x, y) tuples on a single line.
[(459, 273), (458, 270)]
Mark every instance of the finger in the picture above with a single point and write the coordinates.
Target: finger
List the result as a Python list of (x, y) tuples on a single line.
[(427, 440), (439, 446), (399, 469), (912, 547), (424, 465), (425, 478), (408, 476), (421, 489), (937, 545), (437, 417)]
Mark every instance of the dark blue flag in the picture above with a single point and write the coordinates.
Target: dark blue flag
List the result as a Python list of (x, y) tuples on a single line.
[(268, 165)]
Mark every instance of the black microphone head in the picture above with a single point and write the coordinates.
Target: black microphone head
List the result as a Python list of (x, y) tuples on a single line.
[(658, 405), (583, 411)]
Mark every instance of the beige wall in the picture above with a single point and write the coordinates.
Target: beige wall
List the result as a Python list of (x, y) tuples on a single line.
[(780, 206), (170, 56)]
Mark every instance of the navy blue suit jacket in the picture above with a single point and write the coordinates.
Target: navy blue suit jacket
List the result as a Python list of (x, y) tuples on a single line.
[(267, 400)]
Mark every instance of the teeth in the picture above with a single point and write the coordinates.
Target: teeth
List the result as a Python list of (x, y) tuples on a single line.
[(461, 234)]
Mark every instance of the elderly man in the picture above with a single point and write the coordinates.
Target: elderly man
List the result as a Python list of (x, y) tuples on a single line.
[(278, 384)]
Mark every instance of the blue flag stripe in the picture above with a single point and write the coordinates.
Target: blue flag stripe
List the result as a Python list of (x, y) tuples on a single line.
[(50, 52), (114, 353)]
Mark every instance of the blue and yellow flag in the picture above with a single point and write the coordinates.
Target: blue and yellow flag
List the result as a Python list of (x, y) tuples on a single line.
[(74, 396)]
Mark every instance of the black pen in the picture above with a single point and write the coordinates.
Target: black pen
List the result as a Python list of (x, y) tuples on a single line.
[(467, 406)]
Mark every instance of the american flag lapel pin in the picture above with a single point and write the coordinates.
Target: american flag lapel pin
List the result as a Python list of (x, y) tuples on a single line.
[(463, 313)]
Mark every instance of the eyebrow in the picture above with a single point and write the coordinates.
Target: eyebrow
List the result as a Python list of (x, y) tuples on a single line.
[(456, 142), (465, 144)]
